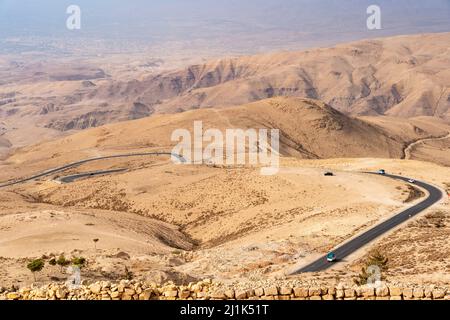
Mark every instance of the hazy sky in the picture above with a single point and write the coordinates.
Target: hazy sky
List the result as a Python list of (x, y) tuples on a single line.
[(234, 23)]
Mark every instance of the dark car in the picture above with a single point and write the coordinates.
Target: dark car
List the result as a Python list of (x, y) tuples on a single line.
[(329, 174), (331, 257)]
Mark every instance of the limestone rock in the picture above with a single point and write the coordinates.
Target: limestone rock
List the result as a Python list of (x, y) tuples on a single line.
[(241, 295), (171, 293), (340, 293), (438, 293), (349, 293), (12, 296), (395, 291), (61, 293), (218, 295), (382, 291), (285, 291), (230, 294), (271, 291), (408, 293), (301, 292), (418, 293), (184, 294), (147, 294), (259, 292), (95, 288), (250, 293), (314, 291)]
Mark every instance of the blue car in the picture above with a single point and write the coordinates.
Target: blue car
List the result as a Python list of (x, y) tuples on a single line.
[(331, 257)]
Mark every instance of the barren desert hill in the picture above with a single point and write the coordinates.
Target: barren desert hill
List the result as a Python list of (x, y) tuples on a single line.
[(309, 129), (403, 76)]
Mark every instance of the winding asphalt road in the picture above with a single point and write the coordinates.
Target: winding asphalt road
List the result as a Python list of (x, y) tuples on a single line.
[(78, 163), (74, 177), (435, 195)]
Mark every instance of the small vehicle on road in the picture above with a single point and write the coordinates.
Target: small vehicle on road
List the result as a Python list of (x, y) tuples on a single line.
[(411, 181), (331, 257), (381, 171), (329, 174)]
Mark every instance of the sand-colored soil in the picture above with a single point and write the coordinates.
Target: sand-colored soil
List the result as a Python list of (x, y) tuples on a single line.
[(241, 225)]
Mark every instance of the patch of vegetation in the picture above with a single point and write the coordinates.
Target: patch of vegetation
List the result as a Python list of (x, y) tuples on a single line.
[(95, 243), (62, 262), (375, 261), (36, 266), (79, 262), (436, 219), (413, 194), (447, 187), (128, 274)]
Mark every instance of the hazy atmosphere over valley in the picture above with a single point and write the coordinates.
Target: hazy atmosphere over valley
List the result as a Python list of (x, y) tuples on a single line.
[(193, 149)]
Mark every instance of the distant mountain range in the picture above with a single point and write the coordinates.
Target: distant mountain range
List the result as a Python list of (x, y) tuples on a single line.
[(401, 76)]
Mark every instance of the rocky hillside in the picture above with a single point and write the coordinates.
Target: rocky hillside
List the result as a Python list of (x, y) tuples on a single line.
[(309, 129), (400, 76)]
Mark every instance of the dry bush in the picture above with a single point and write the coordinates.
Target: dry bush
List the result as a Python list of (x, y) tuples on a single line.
[(375, 258)]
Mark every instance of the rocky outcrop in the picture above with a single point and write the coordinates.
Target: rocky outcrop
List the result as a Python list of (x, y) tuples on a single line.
[(85, 121), (140, 110)]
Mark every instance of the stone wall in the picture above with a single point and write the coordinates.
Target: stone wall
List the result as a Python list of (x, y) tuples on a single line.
[(209, 290)]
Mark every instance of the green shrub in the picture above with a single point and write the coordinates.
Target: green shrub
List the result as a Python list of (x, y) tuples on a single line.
[(36, 266), (62, 262), (79, 262)]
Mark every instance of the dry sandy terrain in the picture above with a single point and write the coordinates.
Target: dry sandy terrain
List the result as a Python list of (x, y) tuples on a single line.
[(164, 221), (241, 225), (222, 212)]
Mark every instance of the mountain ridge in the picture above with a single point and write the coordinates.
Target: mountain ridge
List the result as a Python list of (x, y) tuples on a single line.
[(399, 76)]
